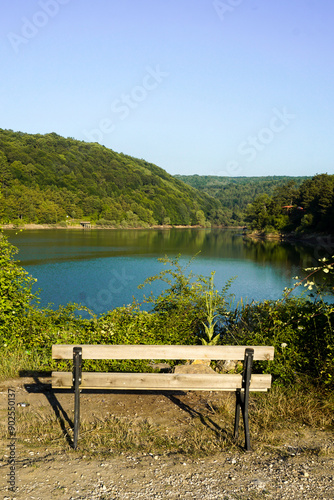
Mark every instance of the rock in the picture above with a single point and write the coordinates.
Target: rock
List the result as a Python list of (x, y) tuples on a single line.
[(193, 368), (162, 367), (204, 362), (228, 365), (259, 483)]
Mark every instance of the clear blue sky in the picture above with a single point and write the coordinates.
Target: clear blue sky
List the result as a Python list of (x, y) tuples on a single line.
[(224, 87)]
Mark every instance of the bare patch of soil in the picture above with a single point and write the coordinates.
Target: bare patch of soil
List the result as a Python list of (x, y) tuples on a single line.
[(299, 466)]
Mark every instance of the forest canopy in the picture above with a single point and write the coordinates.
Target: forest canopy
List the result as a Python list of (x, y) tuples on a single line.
[(235, 193), (49, 179), (272, 204), (309, 208)]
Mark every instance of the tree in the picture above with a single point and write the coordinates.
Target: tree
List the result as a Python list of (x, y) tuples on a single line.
[(258, 212), (16, 288), (200, 218)]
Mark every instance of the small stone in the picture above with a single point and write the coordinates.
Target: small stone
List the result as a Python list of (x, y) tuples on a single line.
[(193, 368), (259, 484)]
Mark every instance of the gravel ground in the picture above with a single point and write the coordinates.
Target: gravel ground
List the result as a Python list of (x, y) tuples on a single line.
[(229, 476), (300, 467)]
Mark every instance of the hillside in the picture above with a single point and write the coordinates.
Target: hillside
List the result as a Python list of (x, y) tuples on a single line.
[(235, 193), (307, 209), (51, 179)]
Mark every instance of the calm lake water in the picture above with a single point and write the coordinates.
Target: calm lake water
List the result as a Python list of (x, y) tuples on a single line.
[(103, 268)]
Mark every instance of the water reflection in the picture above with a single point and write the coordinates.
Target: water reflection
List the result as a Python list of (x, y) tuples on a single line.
[(37, 247), (95, 266)]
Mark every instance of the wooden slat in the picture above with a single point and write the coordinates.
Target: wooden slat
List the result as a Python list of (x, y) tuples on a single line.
[(162, 352), (161, 381)]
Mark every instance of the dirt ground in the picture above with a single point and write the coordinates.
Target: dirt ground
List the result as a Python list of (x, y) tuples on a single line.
[(61, 472)]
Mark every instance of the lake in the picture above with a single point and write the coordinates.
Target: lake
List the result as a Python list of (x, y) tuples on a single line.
[(103, 268)]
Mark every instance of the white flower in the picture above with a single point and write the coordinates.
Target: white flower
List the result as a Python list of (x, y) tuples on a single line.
[(283, 345)]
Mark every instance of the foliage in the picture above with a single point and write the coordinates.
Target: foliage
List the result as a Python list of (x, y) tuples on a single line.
[(49, 179), (15, 285), (306, 209), (235, 193), (190, 300), (189, 310), (301, 332), (212, 306), (299, 327)]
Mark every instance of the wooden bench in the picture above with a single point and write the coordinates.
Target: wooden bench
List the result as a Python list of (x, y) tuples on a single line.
[(240, 383)]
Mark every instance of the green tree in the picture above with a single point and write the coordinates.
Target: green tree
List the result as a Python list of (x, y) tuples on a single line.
[(259, 212), (16, 289), (200, 218)]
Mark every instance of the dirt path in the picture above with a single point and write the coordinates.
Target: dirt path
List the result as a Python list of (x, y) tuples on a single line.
[(57, 471)]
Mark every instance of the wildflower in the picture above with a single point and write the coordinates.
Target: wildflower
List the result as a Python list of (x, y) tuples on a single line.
[(283, 345)]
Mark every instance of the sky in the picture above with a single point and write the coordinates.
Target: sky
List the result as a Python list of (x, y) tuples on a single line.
[(207, 87)]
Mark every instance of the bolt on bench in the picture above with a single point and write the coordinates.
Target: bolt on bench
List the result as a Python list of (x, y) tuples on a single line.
[(240, 383)]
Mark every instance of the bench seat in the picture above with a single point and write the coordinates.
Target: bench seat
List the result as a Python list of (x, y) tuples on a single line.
[(241, 383)]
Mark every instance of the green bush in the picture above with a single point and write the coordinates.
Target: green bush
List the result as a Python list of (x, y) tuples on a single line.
[(189, 311), (16, 295), (301, 332)]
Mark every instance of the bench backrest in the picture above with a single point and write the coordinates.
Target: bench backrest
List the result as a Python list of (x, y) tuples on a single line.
[(182, 352)]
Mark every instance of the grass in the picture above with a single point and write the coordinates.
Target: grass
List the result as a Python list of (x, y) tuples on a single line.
[(14, 362), (277, 418), (280, 421)]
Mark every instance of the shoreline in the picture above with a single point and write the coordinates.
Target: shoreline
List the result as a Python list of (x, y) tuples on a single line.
[(32, 226), (326, 240), (311, 239)]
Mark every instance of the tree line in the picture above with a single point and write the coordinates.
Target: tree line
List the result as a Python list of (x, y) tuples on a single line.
[(51, 179), (236, 193), (307, 208)]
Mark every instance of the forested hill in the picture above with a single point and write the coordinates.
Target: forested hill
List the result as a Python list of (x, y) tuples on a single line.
[(273, 204), (235, 193), (51, 179)]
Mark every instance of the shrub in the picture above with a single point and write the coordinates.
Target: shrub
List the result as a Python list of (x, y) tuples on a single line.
[(16, 295), (189, 311)]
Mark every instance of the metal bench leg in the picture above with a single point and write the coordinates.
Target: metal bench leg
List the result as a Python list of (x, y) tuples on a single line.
[(238, 403), (77, 369), (246, 422), (242, 398)]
